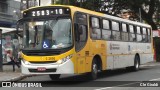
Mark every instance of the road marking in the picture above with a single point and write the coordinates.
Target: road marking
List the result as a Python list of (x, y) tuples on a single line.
[(116, 86), (155, 79), (104, 88)]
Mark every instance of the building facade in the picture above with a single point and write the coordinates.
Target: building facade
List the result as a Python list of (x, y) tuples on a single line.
[(9, 10), (31, 3), (25, 4)]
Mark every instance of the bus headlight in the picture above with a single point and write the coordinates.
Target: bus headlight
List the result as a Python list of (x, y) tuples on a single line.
[(61, 61), (26, 62)]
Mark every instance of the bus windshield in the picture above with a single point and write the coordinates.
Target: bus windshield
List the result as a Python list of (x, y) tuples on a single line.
[(47, 34)]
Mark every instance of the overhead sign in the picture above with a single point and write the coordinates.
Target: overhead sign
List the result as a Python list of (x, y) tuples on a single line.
[(46, 11)]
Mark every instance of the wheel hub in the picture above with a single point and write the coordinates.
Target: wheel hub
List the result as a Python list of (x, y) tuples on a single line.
[(95, 68), (137, 65)]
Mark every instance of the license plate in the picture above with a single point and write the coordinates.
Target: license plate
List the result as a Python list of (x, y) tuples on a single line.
[(41, 69)]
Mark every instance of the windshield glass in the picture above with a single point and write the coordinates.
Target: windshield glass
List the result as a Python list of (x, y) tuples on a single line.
[(47, 34)]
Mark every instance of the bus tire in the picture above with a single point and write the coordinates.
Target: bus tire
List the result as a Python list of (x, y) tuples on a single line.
[(54, 76), (94, 70), (136, 63)]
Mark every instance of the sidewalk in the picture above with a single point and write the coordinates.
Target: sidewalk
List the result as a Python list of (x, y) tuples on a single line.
[(153, 63), (9, 75)]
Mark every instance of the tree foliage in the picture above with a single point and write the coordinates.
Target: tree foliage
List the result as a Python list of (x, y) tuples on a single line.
[(147, 8)]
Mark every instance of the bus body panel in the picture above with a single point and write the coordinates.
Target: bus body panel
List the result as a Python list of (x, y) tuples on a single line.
[(69, 66), (92, 48), (118, 55), (48, 58), (122, 54), (97, 47), (113, 54), (146, 58)]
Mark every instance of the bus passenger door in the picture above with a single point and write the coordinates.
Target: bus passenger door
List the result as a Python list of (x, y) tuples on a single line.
[(81, 48), (80, 30)]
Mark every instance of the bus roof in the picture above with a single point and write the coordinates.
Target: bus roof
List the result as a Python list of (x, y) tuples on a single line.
[(74, 8), (109, 16)]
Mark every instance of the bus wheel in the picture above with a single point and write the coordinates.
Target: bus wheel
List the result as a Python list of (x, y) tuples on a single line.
[(136, 63), (94, 71), (54, 76)]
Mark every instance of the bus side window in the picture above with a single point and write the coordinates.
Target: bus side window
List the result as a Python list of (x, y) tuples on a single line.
[(144, 36), (82, 33), (124, 32), (149, 35), (95, 28), (106, 32), (116, 31), (132, 35), (139, 34)]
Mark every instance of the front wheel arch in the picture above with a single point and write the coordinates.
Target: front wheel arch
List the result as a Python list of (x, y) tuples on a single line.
[(99, 61), (96, 66)]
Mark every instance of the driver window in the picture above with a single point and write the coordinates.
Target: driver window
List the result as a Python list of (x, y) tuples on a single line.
[(82, 32)]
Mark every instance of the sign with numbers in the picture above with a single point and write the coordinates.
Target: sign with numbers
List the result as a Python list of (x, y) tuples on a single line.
[(46, 11)]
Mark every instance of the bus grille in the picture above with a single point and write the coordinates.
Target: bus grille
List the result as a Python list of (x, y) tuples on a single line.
[(41, 53), (46, 62), (45, 52)]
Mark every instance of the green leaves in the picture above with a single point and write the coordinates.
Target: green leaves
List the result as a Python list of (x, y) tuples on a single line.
[(147, 8)]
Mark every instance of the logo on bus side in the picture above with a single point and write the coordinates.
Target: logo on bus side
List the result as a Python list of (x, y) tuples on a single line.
[(129, 48), (114, 47)]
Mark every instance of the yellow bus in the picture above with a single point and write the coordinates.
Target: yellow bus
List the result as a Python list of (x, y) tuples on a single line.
[(61, 39)]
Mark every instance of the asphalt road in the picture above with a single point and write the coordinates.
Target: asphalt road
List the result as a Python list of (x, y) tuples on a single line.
[(120, 79)]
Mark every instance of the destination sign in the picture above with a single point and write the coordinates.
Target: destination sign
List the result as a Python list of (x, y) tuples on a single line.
[(37, 12)]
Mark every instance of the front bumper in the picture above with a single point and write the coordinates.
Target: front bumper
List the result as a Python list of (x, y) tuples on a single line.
[(51, 68)]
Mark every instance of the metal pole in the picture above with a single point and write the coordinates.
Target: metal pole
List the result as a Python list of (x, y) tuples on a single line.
[(27, 3), (67, 2), (21, 5), (140, 16), (1, 59), (81, 3), (39, 3)]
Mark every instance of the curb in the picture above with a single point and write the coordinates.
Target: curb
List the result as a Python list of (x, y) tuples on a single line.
[(15, 79)]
